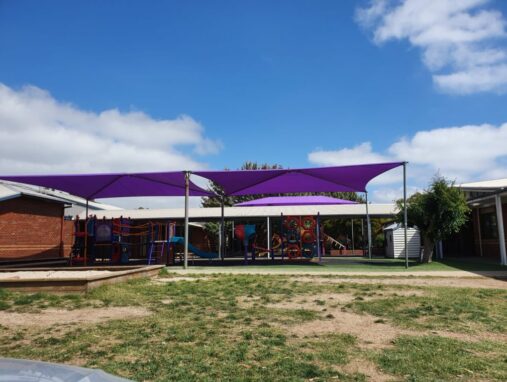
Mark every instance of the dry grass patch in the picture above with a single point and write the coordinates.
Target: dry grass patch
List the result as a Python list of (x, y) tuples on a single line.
[(455, 282), (50, 317)]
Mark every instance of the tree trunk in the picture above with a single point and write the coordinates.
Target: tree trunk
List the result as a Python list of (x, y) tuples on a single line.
[(428, 249)]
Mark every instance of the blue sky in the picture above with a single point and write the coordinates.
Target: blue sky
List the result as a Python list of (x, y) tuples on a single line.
[(300, 83)]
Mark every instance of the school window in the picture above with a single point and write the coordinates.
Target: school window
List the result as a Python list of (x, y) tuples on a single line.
[(488, 226)]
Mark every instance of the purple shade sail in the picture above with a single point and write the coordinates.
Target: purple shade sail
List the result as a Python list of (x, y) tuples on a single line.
[(93, 186), (281, 181), (294, 201)]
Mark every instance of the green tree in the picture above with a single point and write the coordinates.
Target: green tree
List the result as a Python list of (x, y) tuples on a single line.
[(438, 212)]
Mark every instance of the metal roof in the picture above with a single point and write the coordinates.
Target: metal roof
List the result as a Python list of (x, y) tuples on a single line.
[(11, 191), (487, 185), (345, 210)]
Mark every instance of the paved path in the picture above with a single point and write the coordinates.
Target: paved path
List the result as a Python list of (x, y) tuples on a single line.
[(320, 272)]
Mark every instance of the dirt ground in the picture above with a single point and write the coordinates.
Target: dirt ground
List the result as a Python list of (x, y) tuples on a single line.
[(472, 282), (50, 317), (51, 275)]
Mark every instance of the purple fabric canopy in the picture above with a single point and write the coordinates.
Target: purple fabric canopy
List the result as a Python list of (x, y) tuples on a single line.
[(294, 201), (92, 186), (281, 181)]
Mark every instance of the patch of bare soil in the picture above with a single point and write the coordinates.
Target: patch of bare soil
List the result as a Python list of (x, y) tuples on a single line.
[(476, 282), (163, 280), (471, 337), (51, 317), (322, 300), (370, 332), (368, 368)]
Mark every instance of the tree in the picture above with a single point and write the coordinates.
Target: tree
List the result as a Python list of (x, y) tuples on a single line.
[(438, 212)]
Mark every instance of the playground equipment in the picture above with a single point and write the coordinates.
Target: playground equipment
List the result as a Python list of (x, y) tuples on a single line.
[(276, 243), (333, 241), (118, 241), (245, 233), (300, 237), (205, 255)]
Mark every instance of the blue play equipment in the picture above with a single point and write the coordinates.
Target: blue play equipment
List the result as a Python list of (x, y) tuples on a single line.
[(197, 251)]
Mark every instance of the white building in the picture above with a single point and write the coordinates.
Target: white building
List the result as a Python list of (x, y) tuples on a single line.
[(395, 242)]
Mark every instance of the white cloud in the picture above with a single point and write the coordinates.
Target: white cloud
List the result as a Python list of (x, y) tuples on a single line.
[(463, 153), (459, 39), (361, 153), (391, 194), (39, 134)]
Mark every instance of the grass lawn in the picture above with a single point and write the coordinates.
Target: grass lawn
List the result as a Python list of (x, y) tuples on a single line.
[(264, 328), (357, 264)]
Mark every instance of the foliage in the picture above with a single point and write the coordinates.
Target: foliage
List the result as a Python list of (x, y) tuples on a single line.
[(438, 212)]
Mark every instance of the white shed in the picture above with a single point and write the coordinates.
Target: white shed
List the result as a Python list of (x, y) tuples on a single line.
[(395, 241)]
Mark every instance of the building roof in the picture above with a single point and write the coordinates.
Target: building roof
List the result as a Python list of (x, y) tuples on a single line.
[(11, 191), (487, 185), (306, 200), (8, 192), (345, 210)]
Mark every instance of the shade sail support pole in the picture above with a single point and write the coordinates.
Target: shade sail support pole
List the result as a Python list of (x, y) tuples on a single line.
[(187, 195), (319, 252), (368, 225), (268, 234), (352, 232), (405, 216), (282, 234), (85, 254), (221, 239)]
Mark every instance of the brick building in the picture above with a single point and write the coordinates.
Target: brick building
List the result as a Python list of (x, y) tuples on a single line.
[(32, 226)]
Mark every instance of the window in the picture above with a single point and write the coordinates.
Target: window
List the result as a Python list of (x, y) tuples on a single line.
[(489, 228)]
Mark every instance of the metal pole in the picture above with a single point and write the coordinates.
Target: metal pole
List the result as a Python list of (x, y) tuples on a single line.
[(268, 233), (352, 228), (362, 234), (319, 253), (368, 225), (187, 194), (221, 239), (281, 233), (86, 236), (478, 217), (405, 218)]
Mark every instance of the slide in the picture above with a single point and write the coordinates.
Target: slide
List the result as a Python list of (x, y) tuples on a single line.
[(191, 248), (325, 236)]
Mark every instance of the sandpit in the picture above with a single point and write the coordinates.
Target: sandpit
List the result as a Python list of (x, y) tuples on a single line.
[(52, 275), (63, 280)]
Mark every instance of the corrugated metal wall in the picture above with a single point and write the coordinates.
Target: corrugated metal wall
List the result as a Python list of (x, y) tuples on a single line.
[(395, 244)]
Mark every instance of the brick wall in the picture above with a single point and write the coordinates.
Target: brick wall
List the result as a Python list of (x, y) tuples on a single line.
[(32, 228)]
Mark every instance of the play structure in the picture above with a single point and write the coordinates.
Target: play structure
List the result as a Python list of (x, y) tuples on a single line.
[(196, 251), (298, 237), (301, 236), (124, 241), (121, 241)]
